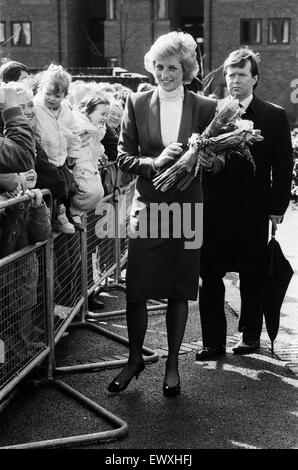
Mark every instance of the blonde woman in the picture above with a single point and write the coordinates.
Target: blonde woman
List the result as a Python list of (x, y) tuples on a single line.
[(155, 129)]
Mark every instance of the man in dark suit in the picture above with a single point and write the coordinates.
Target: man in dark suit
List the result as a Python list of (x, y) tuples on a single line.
[(238, 204)]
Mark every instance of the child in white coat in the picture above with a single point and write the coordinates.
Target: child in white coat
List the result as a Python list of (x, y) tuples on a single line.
[(91, 116), (56, 128)]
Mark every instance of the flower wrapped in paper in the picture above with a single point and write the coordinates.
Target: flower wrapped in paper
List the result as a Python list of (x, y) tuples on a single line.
[(226, 134)]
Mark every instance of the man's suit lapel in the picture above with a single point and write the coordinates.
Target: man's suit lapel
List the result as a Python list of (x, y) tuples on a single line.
[(253, 109)]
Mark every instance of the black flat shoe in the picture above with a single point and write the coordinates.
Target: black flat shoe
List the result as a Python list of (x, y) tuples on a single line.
[(210, 353), (117, 387), (171, 391), (246, 348)]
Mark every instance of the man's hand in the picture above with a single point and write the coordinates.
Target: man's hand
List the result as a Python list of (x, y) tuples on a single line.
[(206, 159), (276, 219)]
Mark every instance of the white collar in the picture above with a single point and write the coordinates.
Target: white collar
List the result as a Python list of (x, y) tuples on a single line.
[(245, 103), (173, 95)]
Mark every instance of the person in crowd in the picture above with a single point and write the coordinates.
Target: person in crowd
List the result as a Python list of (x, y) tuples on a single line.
[(114, 121), (13, 71), (57, 179), (20, 225), (78, 90), (91, 117), (121, 93), (105, 87), (238, 204), (155, 127), (115, 114), (17, 145), (145, 86), (56, 129)]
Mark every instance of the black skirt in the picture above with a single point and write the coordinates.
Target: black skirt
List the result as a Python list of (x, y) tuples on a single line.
[(164, 257)]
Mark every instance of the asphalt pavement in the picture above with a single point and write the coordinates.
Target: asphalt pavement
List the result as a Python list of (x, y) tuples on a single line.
[(237, 402)]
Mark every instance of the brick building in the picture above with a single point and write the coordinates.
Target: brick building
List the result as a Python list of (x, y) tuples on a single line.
[(37, 32), (98, 33), (86, 33), (133, 25), (269, 27)]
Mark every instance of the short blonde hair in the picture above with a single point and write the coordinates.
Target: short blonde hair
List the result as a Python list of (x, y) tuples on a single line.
[(58, 76), (177, 44)]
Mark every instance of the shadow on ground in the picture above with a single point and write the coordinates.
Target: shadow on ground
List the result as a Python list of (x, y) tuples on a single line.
[(247, 402)]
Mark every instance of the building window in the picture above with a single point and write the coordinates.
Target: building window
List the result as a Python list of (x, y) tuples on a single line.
[(21, 33), (278, 31), (2, 32), (162, 9), (111, 9), (251, 31)]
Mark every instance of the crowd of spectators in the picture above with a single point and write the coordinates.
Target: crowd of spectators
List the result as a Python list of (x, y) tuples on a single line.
[(67, 131), (58, 134)]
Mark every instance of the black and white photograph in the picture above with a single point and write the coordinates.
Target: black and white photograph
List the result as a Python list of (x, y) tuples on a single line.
[(149, 228)]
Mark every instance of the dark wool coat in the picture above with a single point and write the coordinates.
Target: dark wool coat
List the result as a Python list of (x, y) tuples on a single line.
[(17, 144), (238, 202)]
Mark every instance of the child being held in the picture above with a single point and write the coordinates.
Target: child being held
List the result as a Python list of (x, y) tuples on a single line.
[(56, 129), (91, 116)]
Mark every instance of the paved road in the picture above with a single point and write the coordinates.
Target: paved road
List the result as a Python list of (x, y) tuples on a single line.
[(238, 402), (286, 344)]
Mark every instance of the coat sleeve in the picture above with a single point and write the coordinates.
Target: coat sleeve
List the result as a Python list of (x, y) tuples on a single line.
[(39, 223), (17, 145), (75, 144), (282, 166), (110, 142), (129, 158)]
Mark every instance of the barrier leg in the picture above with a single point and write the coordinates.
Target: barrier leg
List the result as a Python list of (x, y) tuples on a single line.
[(120, 425)]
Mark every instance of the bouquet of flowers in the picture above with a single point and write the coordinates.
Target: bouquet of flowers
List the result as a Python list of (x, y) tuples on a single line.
[(226, 134), (294, 188)]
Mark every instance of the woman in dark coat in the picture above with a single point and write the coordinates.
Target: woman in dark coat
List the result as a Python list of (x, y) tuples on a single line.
[(155, 128)]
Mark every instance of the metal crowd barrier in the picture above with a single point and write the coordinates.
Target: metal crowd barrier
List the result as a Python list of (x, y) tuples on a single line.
[(104, 242), (25, 305), (64, 270)]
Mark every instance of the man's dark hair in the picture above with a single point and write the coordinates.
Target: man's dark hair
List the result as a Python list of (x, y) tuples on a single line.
[(239, 58)]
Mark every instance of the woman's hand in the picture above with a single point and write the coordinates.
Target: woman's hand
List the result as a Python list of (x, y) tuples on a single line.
[(171, 152)]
